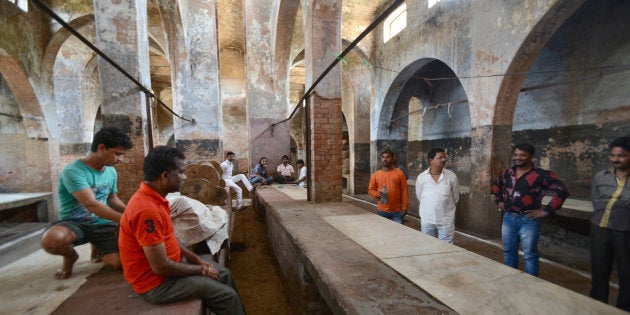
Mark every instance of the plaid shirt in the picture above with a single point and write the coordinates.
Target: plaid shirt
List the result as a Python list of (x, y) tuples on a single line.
[(526, 193)]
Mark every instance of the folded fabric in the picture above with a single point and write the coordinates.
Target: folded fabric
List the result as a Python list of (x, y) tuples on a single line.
[(195, 222)]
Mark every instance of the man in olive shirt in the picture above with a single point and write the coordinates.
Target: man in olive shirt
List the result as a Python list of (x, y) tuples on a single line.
[(610, 228)]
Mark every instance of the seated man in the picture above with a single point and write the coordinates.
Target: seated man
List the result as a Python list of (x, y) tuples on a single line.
[(90, 207), (227, 166), (285, 170), (302, 177), (154, 263)]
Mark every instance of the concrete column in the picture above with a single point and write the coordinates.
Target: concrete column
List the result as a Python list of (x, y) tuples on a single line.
[(121, 33), (263, 109), (233, 78), (322, 42), (191, 27)]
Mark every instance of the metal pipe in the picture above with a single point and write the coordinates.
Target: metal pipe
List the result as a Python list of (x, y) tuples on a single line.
[(78, 35)]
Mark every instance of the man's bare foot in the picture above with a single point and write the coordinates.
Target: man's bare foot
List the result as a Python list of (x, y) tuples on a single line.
[(66, 269), (94, 256)]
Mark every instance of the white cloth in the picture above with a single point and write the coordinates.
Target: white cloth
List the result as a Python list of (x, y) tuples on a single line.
[(231, 181), (302, 176), (285, 170), (194, 222), (437, 200)]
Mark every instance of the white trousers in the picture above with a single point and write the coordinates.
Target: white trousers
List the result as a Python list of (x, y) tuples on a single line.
[(231, 182)]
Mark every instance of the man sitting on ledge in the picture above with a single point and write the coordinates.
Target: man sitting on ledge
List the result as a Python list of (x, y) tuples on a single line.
[(151, 255)]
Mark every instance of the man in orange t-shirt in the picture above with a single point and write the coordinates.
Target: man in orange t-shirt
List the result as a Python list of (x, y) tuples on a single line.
[(389, 186), (154, 263)]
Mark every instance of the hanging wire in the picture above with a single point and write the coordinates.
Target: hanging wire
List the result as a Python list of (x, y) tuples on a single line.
[(78, 35)]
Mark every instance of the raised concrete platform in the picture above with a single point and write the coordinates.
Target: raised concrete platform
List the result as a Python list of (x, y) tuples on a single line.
[(106, 292), (42, 201), (360, 263)]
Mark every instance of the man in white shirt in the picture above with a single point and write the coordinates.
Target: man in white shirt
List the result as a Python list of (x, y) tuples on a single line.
[(231, 181), (302, 169), (285, 170), (437, 190)]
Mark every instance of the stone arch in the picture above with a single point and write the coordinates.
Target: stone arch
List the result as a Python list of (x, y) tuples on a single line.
[(427, 107), (70, 70), (26, 165), (511, 85), (574, 98), (285, 19), (48, 63), (30, 110)]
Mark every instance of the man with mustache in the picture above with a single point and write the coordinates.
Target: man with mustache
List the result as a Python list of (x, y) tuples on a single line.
[(519, 192), (610, 225), (437, 190)]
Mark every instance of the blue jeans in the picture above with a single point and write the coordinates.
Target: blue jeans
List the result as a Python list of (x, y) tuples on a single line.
[(255, 180), (394, 216), (518, 228), (443, 232)]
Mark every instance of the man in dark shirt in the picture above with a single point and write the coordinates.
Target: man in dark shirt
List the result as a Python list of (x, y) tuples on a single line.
[(519, 192), (610, 228)]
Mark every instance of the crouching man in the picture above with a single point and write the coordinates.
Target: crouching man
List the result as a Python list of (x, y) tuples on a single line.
[(154, 263)]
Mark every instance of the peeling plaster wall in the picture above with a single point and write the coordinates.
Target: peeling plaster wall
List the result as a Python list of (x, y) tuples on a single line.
[(24, 146), (575, 99), (263, 109), (76, 118), (477, 40), (22, 168), (196, 80)]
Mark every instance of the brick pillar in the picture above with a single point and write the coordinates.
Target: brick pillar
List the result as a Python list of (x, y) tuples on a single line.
[(326, 144), (121, 33), (322, 41)]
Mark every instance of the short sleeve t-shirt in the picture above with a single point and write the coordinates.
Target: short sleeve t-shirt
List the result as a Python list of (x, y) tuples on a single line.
[(145, 222), (77, 176)]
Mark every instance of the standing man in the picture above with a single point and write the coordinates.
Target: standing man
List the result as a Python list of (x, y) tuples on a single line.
[(89, 205), (302, 169), (159, 268), (285, 170), (227, 166), (610, 228), (389, 186), (519, 192), (437, 190)]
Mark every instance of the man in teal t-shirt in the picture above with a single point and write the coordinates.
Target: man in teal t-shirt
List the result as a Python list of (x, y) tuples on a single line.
[(89, 205)]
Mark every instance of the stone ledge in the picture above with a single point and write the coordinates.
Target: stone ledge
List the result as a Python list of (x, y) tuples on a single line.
[(106, 292), (327, 272), (338, 258)]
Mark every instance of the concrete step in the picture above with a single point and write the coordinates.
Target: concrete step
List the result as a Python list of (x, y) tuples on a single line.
[(19, 239)]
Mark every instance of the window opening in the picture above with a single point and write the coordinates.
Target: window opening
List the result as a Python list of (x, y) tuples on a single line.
[(395, 22), (433, 2), (21, 4)]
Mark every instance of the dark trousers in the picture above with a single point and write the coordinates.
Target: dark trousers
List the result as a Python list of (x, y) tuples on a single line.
[(608, 246), (221, 297)]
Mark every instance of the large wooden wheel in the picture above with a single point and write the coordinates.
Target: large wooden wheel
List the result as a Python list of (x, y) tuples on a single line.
[(204, 191)]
